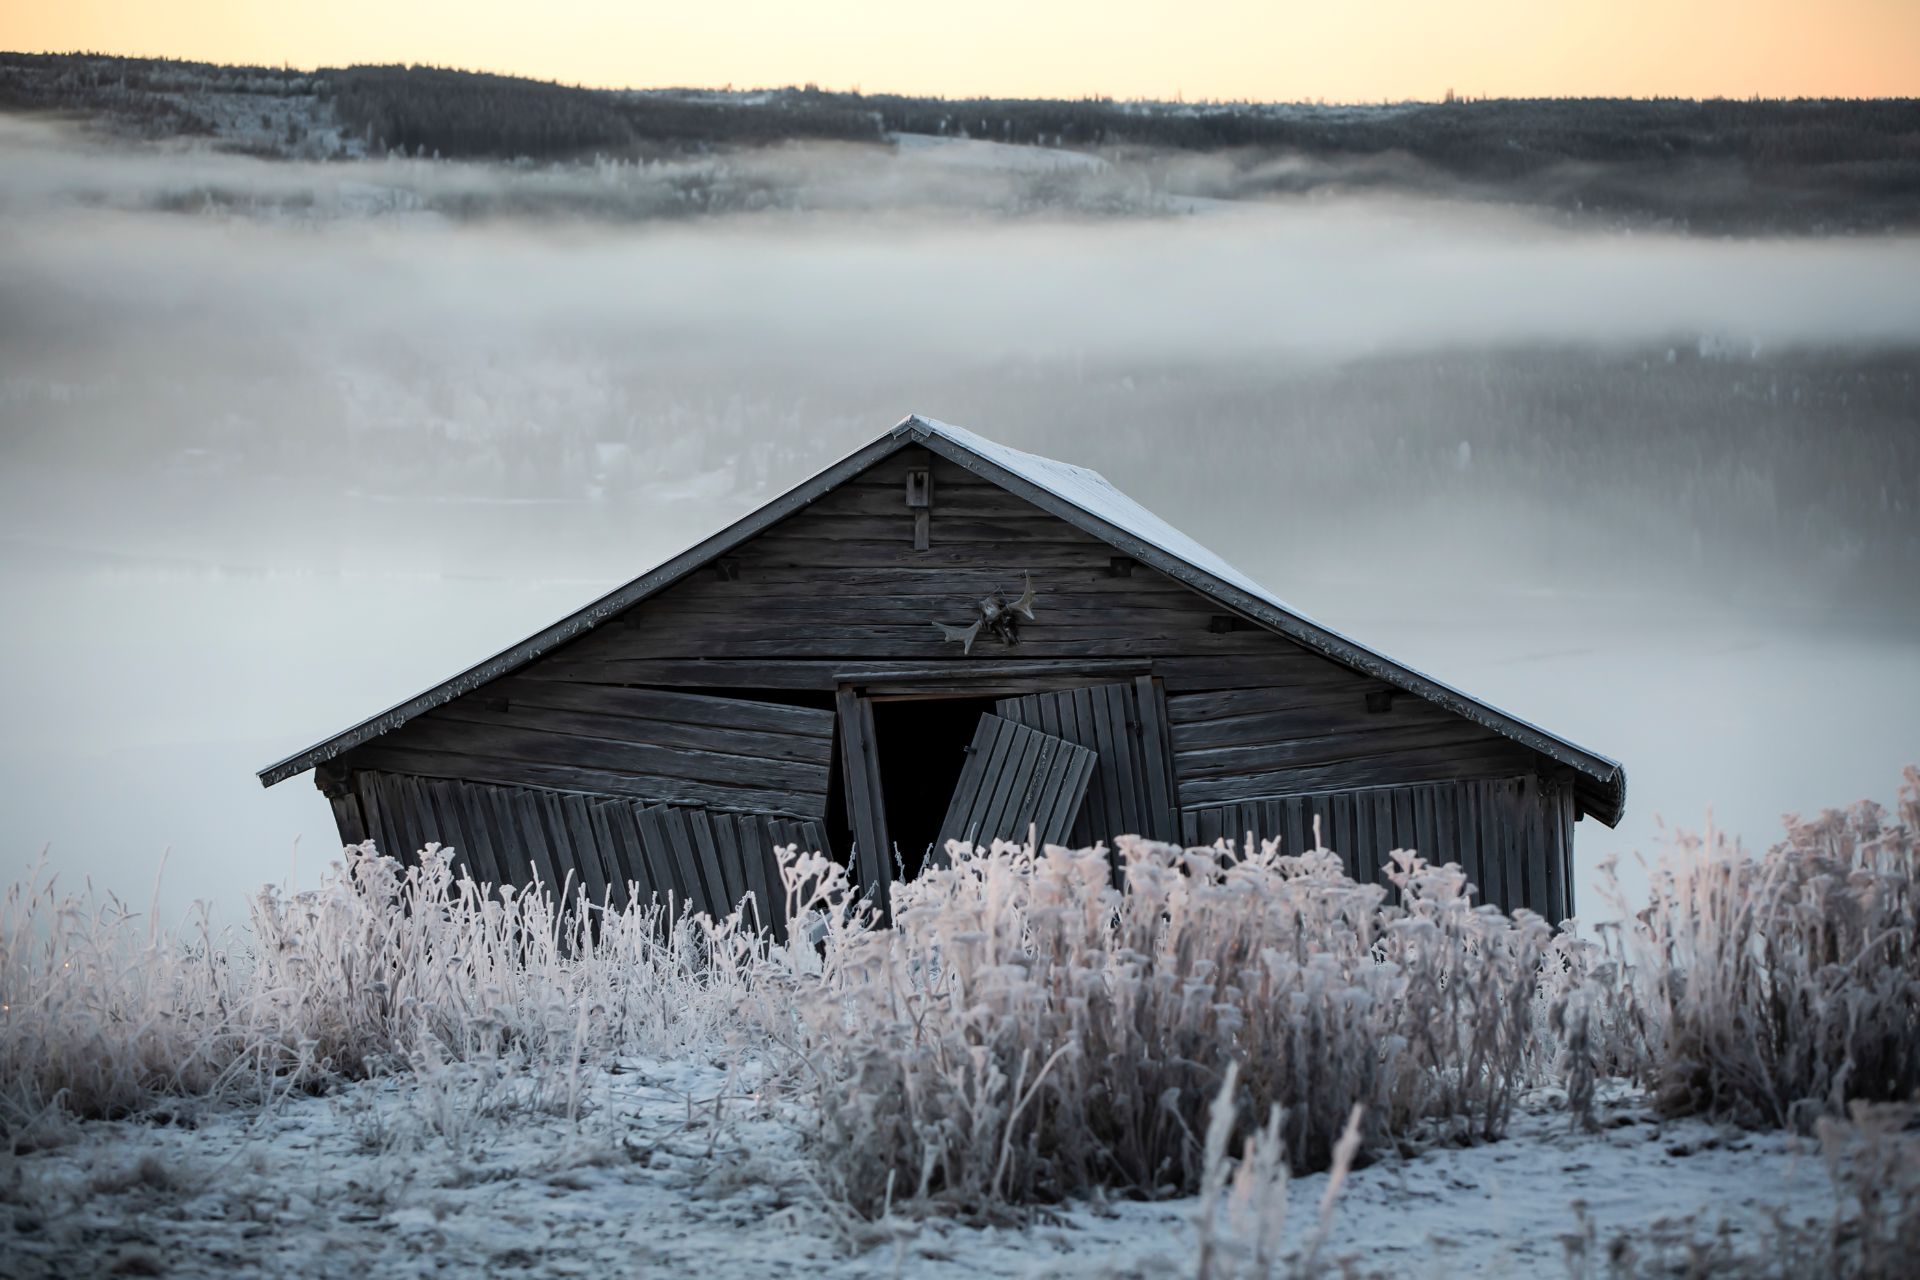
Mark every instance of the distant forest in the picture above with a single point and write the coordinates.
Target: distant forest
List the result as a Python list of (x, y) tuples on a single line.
[(1716, 166)]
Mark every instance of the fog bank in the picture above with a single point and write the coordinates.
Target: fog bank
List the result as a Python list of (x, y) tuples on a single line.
[(267, 470)]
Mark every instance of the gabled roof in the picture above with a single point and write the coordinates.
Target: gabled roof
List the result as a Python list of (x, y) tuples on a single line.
[(1082, 498)]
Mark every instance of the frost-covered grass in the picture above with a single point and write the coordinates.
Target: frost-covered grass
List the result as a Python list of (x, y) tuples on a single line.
[(1777, 989), (1026, 1032), (1248, 1048), (385, 968)]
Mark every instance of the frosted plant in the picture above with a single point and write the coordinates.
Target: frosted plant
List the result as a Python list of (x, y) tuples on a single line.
[(1777, 989), (1024, 1031), (383, 968)]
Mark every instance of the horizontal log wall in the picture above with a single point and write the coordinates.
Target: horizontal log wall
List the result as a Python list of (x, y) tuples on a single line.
[(666, 746), (616, 851), (1512, 836), (1280, 727), (842, 579)]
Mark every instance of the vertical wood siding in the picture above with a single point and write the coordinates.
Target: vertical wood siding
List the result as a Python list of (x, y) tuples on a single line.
[(1016, 780), (1125, 725), (1512, 836), (617, 850)]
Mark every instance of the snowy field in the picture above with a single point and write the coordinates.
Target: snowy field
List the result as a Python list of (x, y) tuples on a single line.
[(675, 1168), (403, 1075)]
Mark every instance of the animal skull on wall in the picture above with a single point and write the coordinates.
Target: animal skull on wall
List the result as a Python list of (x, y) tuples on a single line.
[(999, 617)]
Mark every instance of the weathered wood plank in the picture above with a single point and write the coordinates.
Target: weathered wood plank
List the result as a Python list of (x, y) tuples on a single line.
[(1331, 748), (1211, 825), (521, 773), (822, 674), (746, 610), (1489, 838), (1346, 714), (646, 883), (509, 845), (1339, 688), (672, 706), (860, 766), (348, 819), (752, 862), (728, 873), (436, 799), (1280, 662), (1116, 705), (778, 548), (414, 826), (1536, 850), (677, 860), (751, 744), (527, 818), (1002, 804), (939, 582), (1513, 831), (620, 879), (971, 783), (678, 823), (866, 644), (1157, 761), (568, 860), (481, 813), (448, 801), (1362, 860), (589, 859), (543, 747), (1031, 781), (366, 787), (1387, 769)]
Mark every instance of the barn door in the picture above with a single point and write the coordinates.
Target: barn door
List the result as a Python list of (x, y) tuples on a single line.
[(1016, 778), (1131, 792)]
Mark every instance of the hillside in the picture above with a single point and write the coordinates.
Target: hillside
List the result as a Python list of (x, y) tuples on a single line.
[(1717, 167)]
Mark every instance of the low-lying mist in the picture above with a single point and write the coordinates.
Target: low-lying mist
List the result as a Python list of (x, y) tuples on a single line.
[(286, 442)]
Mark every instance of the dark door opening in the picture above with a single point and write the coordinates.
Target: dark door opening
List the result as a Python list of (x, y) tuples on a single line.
[(921, 744)]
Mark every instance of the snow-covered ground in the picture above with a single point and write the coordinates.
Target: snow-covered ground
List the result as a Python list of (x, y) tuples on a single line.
[(682, 1168)]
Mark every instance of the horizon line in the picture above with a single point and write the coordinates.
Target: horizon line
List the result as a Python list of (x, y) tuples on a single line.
[(1458, 97)]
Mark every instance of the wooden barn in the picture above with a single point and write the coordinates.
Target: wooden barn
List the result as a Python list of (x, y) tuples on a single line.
[(939, 636)]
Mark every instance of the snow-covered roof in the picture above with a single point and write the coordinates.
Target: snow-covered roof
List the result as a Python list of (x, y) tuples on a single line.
[(1078, 495), (1092, 492)]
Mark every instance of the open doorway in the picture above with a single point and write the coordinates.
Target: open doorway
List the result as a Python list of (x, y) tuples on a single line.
[(921, 744)]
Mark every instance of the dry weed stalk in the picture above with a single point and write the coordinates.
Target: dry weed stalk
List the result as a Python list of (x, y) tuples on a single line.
[(1778, 989), (1026, 1032), (385, 965)]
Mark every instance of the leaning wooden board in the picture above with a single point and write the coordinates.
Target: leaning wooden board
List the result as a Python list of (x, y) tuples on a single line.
[(1016, 779), (1124, 723)]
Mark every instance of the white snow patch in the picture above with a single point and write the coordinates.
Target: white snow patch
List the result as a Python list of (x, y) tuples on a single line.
[(678, 1167)]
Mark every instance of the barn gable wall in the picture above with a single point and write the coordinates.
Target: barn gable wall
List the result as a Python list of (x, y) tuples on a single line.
[(842, 580), (838, 593), (717, 693)]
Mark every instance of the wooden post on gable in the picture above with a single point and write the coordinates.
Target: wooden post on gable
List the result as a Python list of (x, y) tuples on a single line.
[(920, 502)]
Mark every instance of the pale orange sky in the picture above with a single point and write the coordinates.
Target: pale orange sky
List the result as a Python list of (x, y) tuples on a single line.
[(1341, 50)]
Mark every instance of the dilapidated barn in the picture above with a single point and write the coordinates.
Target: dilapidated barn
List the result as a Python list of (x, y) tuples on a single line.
[(941, 637)]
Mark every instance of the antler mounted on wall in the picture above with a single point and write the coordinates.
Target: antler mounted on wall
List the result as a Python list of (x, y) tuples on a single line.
[(999, 617)]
